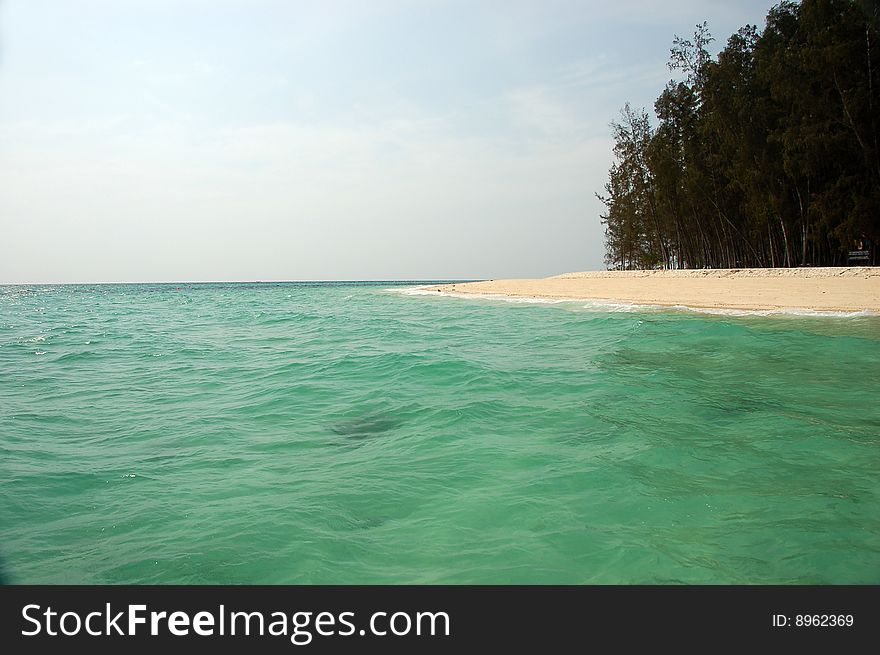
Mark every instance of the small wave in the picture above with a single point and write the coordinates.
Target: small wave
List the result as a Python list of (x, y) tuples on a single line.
[(620, 306), (427, 291), (592, 304), (76, 356), (794, 311), (408, 291)]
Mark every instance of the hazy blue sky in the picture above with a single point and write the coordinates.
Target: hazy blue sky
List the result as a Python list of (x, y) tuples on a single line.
[(147, 140)]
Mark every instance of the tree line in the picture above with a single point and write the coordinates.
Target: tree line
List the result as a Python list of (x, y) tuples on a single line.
[(766, 155)]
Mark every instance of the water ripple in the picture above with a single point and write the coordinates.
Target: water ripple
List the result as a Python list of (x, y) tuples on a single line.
[(338, 433)]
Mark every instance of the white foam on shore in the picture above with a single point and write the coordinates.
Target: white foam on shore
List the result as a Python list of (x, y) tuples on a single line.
[(595, 304), (792, 311), (430, 291), (606, 305)]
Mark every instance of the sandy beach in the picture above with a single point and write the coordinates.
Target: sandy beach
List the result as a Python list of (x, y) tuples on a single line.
[(850, 289)]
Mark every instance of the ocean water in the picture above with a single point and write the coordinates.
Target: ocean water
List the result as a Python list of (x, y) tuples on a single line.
[(348, 433)]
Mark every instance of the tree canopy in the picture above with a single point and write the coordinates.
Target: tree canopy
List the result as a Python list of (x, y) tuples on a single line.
[(766, 155)]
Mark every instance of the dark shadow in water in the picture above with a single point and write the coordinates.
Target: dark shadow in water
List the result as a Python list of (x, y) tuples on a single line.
[(366, 426)]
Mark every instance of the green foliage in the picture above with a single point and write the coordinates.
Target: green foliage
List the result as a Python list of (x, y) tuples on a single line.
[(765, 156)]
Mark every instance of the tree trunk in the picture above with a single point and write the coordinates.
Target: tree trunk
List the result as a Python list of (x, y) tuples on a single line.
[(804, 226), (785, 241), (772, 255)]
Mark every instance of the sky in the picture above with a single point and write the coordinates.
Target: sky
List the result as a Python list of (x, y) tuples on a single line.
[(203, 140)]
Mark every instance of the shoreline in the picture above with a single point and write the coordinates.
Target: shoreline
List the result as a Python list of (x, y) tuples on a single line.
[(852, 289)]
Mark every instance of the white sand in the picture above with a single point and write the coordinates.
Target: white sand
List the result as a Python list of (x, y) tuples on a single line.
[(850, 289)]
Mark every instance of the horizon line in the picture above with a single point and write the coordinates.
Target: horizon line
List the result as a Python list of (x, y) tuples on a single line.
[(342, 280)]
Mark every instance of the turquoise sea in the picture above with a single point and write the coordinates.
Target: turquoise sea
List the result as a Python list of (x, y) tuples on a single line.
[(345, 433)]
